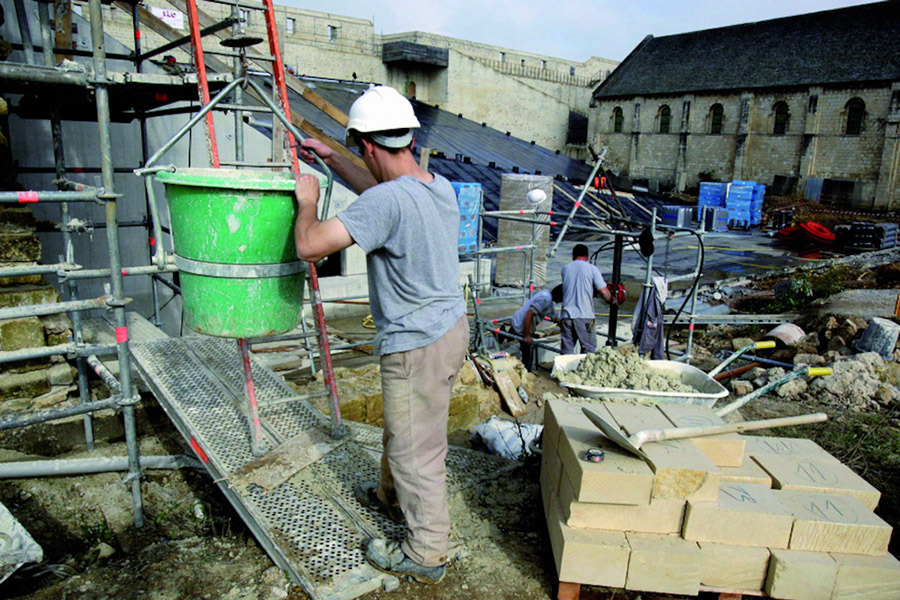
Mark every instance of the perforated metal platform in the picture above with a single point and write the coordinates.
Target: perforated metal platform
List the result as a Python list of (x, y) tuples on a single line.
[(311, 525)]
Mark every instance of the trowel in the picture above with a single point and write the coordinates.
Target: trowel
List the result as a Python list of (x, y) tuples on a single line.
[(633, 442)]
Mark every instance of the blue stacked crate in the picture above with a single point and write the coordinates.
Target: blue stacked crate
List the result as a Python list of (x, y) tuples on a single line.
[(756, 204), (468, 195), (739, 202), (711, 194)]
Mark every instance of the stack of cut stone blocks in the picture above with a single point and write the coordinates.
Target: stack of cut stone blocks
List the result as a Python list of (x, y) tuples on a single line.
[(33, 383), (727, 512)]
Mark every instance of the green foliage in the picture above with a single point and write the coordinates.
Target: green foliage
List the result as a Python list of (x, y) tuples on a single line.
[(95, 533), (796, 293)]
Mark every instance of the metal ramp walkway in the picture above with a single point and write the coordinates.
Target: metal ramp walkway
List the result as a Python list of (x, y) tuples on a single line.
[(311, 525)]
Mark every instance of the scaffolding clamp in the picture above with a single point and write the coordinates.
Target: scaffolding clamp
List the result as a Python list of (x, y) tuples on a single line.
[(104, 196)]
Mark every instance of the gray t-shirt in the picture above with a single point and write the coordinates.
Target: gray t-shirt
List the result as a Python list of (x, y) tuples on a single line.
[(541, 304), (409, 230), (580, 280)]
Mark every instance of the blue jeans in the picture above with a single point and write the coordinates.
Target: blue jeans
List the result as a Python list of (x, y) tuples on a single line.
[(581, 330)]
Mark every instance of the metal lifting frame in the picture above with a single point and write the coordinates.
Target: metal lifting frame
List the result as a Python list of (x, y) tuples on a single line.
[(124, 395), (282, 113)]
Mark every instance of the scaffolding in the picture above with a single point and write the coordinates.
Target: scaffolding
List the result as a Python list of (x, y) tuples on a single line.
[(46, 78)]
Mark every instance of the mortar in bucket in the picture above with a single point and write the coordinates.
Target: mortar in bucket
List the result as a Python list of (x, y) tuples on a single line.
[(233, 233)]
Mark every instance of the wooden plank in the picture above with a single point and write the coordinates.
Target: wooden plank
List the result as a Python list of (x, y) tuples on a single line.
[(568, 591)]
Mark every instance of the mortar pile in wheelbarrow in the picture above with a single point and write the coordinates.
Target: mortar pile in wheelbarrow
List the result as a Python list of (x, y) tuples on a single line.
[(630, 377)]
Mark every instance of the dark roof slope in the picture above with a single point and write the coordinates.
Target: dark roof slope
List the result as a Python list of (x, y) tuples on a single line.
[(847, 45), (450, 134)]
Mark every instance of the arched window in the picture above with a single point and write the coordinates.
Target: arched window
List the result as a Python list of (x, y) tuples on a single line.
[(856, 112), (782, 116), (665, 118), (716, 117), (618, 119)]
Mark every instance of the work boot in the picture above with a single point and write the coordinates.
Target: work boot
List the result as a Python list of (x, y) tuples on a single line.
[(367, 494), (388, 557)]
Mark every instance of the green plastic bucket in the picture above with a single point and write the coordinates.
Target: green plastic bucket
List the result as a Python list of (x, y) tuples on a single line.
[(233, 233)]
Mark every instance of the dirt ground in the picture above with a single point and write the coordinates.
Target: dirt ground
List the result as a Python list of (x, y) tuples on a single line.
[(193, 544)]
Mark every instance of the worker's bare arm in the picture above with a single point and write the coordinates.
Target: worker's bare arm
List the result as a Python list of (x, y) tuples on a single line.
[(359, 178), (606, 294), (316, 239), (526, 326)]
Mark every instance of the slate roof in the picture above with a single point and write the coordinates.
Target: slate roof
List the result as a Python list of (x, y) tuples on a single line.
[(858, 44), (467, 152)]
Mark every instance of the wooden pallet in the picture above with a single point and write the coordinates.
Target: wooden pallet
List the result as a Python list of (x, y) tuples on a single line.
[(568, 590)]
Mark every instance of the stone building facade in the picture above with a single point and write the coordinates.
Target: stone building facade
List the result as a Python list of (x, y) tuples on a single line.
[(532, 96), (771, 102)]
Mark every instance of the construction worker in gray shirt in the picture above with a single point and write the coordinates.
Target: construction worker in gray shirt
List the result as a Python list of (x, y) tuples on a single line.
[(582, 281), (407, 221)]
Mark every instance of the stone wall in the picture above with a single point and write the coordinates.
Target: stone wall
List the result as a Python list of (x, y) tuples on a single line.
[(815, 143), (544, 88), (40, 382)]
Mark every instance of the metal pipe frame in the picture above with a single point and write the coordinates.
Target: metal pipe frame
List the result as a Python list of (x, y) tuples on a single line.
[(112, 235), (88, 466), (31, 197), (126, 272), (105, 374), (72, 349), (37, 310), (31, 73), (59, 413)]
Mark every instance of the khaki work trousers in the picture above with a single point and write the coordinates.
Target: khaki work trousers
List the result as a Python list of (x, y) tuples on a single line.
[(416, 386)]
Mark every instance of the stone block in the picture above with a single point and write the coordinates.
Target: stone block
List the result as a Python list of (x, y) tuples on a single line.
[(761, 445), (16, 219), (16, 334), (829, 477), (734, 567), (680, 469), (56, 324), (19, 247), (663, 563), (559, 414), (586, 556), (744, 515), (552, 467), (546, 490), (621, 478), (20, 279), (23, 385), (28, 295), (830, 523), (61, 374), (749, 472), (724, 450), (866, 577), (798, 575), (660, 516)]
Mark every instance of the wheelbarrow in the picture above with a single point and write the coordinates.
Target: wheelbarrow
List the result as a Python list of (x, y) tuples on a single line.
[(708, 390)]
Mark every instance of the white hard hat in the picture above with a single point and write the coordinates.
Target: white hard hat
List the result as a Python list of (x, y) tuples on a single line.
[(382, 108)]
